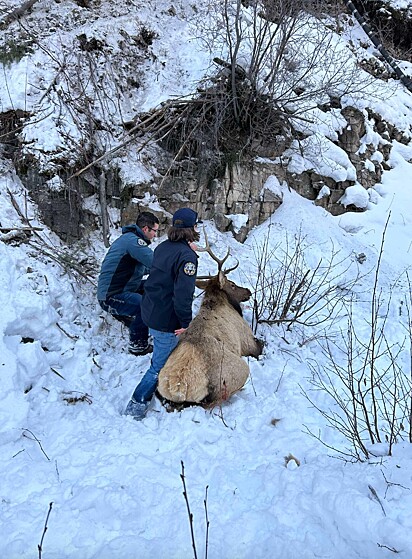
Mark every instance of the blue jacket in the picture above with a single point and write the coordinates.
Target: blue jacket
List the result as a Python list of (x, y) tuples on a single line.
[(127, 261), (168, 291)]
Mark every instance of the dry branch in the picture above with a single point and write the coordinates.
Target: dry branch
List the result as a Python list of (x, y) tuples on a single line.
[(103, 209), (40, 546), (189, 512), (35, 439)]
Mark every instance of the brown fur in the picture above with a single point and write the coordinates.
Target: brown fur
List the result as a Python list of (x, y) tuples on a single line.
[(207, 363)]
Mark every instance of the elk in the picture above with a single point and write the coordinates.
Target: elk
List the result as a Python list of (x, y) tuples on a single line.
[(207, 366)]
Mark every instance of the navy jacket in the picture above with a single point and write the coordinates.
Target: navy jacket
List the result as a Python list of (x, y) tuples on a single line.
[(168, 292), (127, 261)]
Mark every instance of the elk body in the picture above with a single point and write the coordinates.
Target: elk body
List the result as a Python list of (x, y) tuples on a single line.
[(207, 364)]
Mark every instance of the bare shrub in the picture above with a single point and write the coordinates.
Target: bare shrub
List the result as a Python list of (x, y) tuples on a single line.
[(289, 291), (364, 374), (74, 262), (285, 49), (277, 62), (368, 387), (190, 515)]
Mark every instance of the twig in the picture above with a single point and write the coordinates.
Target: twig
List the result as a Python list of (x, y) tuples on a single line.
[(8, 229), (390, 483), (221, 417), (36, 439), (280, 378), (17, 453), (376, 498), (189, 512), (52, 84), (96, 363), (40, 546), (103, 209), (57, 471), (387, 547), (74, 399), (57, 373), (291, 458), (207, 523), (17, 208), (67, 334)]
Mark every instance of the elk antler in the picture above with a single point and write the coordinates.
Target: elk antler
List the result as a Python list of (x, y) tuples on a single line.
[(220, 261)]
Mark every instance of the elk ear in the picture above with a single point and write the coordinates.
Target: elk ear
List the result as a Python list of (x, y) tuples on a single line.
[(202, 283), (221, 279)]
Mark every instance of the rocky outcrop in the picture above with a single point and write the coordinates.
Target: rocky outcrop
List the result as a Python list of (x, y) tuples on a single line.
[(240, 191), (237, 194), (245, 188)]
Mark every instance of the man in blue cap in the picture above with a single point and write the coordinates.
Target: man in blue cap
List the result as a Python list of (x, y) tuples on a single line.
[(167, 301)]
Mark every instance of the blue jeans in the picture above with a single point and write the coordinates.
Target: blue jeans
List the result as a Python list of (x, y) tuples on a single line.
[(163, 345), (126, 308)]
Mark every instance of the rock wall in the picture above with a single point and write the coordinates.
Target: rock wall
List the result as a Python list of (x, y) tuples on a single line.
[(237, 195), (241, 190)]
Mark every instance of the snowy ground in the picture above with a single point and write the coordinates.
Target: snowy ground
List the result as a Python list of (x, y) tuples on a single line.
[(114, 485)]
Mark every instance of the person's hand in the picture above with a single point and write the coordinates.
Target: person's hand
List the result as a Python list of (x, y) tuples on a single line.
[(193, 246), (179, 331)]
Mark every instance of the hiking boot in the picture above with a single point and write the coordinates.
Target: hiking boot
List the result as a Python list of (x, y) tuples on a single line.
[(137, 410), (140, 349)]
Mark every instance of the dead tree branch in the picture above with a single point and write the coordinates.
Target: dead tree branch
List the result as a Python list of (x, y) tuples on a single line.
[(189, 512), (35, 439), (24, 229), (40, 546), (103, 209)]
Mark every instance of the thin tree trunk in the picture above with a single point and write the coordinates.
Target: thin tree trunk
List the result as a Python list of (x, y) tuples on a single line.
[(103, 208)]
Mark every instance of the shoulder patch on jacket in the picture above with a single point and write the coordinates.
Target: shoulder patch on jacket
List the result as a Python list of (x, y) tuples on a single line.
[(189, 269), (141, 242)]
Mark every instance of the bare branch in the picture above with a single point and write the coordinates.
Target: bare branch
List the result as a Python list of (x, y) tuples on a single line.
[(40, 546), (35, 439), (189, 512)]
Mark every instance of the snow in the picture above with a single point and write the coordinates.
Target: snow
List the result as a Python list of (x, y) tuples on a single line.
[(355, 195), (272, 183), (113, 484), (238, 221), (401, 4), (324, 191), (319, 154)]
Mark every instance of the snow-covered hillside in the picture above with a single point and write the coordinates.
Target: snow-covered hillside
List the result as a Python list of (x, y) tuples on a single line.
[(106, 486)]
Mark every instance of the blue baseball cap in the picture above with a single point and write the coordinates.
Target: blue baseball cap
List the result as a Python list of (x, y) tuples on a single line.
[(185, 217)]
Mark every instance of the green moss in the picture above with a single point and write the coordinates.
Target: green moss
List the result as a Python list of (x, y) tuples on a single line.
[(13, 51)]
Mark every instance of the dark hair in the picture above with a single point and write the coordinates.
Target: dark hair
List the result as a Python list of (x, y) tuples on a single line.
[(183, 234), (146, 219)]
